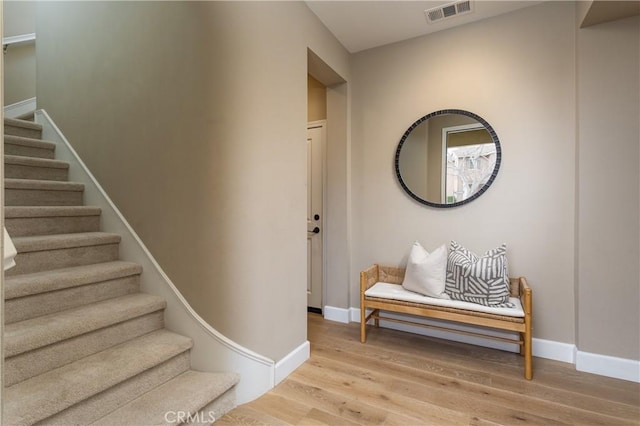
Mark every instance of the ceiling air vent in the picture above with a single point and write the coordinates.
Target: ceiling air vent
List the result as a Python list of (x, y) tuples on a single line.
[(448, 11)]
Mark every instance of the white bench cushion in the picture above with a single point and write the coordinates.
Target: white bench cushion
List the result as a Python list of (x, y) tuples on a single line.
[(397, 292)]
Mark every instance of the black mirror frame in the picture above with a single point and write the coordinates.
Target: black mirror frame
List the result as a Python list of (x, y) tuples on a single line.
[(494, 138)]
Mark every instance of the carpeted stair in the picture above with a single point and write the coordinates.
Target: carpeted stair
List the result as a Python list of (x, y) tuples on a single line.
[(82, 345)]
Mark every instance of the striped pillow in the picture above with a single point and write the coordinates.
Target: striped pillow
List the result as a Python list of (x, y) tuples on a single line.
[(482, 280)]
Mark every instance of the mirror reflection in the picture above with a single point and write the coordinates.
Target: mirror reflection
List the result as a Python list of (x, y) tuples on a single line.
[(447, 158)]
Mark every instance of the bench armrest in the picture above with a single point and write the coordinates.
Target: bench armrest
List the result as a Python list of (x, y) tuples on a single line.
[(526, 295), (368, 278)]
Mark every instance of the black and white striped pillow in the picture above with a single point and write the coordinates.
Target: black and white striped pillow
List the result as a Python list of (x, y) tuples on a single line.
[(475, 279)]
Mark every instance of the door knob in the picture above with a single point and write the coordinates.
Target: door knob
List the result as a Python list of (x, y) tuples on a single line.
[(316, 230)]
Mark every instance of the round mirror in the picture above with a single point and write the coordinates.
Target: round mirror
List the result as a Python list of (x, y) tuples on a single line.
[(448, 158)]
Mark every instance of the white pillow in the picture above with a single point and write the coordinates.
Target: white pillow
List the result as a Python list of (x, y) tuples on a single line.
[(426, 273)]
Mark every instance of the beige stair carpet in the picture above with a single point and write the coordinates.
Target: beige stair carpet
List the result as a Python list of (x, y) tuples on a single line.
[(82, 344)]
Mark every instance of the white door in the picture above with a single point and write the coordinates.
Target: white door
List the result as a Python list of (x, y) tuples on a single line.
[(315, 219)]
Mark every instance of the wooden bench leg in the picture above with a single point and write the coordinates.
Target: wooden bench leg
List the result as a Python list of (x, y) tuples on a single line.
[(526, 351), (363, 324)]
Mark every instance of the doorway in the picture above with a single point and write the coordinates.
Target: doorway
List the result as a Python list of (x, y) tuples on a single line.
[(327, 101), (315, 214)]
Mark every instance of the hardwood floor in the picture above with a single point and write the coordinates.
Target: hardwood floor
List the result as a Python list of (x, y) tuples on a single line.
[(399, 378)]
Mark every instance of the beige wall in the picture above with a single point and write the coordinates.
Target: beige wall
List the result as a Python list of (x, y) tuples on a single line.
[(19, 73), (608, 189), (316, 100), (519, 78), (204, 156), (19, 18), (19, 60)]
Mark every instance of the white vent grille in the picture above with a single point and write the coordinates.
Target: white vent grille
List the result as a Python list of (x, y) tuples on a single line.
[(448, 10)]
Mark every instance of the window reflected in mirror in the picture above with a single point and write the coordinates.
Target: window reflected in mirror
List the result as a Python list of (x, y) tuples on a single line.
[(447, 158)]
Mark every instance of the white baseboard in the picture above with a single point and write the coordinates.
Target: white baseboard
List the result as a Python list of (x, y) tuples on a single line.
[(293, 360), (605, 365), (337, 314), (20, 108), (558, 351)]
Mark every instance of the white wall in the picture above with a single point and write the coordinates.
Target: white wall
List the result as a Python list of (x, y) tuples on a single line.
[(521, 79), (192, 115)]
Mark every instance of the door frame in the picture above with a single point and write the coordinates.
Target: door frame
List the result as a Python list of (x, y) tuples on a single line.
[(323, 221)]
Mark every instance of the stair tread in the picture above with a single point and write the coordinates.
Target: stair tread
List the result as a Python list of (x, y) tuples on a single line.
[(41, 331), (42, 396), (62, 241), (26, 141), (16, 122), (35, 161), (11, 212), (38, 184), (53, 280), (189, 392)]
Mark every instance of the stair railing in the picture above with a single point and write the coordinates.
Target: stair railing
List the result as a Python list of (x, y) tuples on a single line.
[(18, 39)]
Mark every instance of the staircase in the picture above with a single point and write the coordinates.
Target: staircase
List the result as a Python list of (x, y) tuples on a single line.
[(82, 344)]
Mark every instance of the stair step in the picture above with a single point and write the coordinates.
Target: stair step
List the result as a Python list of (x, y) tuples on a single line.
[(28, 147), (47, 252), (17, 127), (27, 116), (42, 293), (29, 364), (188, 393), (29, 192), (38, 332), (76, 333), (102, 381), (22, 221), (22, 167)]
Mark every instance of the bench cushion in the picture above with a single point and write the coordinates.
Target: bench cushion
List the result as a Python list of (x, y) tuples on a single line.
[(396, 292)]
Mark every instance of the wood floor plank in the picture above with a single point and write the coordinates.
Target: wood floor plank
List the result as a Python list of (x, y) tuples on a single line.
[(246, 416), (403, 379), (287, 410), (430, 402), (335, 404), (496, 363), (423, 370), (317, 417), (368, 387)]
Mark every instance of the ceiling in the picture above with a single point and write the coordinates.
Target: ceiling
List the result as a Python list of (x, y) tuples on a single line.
[(363, 24)]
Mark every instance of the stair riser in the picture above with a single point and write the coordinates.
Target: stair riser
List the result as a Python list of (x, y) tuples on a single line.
[(27, 226), (28, 151), (32, 363), (31, 197), (19, 171), (21, 131), (23, 308), (100, 405), (62, 258)]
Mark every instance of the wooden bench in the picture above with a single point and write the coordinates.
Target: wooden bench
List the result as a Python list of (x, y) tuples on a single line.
[(392, 275)]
